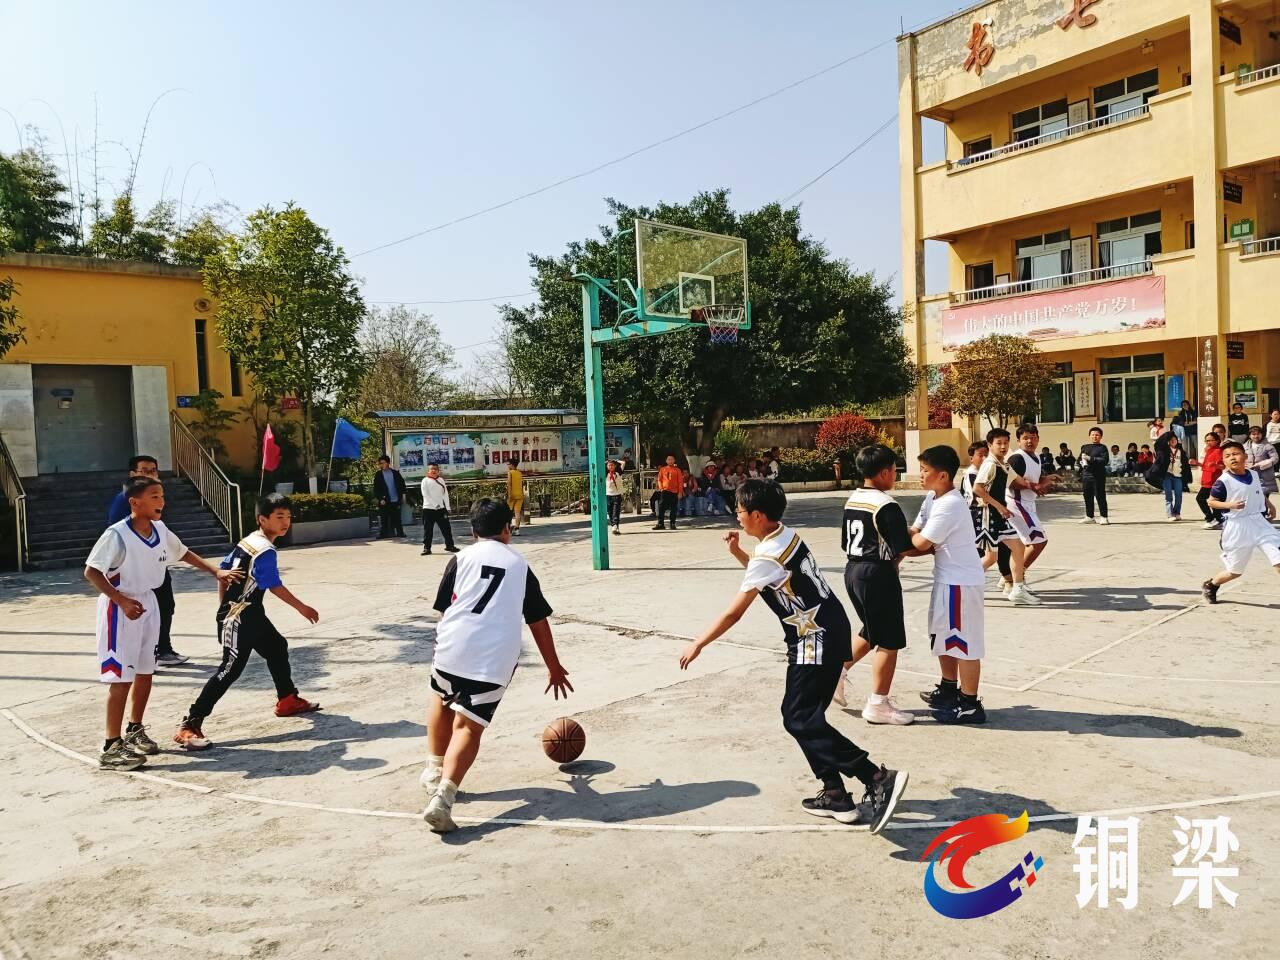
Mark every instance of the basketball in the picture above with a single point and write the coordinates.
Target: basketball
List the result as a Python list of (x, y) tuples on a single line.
[(564, 740)]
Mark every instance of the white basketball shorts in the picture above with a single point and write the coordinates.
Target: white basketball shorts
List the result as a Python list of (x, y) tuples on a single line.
[(127, 648), (956, 621), (1238, 548), (1026, 522)]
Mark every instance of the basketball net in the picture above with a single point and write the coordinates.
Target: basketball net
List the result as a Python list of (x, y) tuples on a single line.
[(723, 320)]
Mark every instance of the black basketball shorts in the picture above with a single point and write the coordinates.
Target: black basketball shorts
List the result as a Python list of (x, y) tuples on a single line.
[(475, 699), (876, 594)]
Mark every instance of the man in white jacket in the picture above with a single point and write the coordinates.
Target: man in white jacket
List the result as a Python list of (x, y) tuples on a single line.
[(435, 510)]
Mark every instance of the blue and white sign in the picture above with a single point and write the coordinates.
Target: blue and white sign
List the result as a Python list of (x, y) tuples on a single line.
[(1177, 391)]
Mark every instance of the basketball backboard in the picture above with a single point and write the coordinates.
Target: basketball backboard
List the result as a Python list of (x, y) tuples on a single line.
[(679, 269)]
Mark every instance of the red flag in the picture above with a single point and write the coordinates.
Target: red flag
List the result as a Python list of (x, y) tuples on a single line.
[(270, 450)]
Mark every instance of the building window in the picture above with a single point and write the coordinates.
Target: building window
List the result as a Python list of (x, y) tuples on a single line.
[(1055, 403), (980, 276), (1042, 122), (1048, 255), (1132, 387), (974, 148), (1125, 98), (1128, 240), (202, 358), (235, 376)]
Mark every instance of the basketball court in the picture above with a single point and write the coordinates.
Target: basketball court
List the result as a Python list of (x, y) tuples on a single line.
[(679, 832)]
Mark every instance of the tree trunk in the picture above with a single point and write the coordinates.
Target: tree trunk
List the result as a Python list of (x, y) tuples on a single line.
[(711, 423), (308, 442)]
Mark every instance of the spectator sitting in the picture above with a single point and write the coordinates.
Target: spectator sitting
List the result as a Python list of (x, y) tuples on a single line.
[(692, 492), (1046, 460), (773, 467), (726, 485), (1131, 461), (1117, 465), (1066, 460), (1145, 458)]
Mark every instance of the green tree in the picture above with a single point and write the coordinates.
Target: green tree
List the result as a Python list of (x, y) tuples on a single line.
[(121, 235), (11, 331), (35, 216), (822, 333), (290, 310), (998, 377), (408, 362), (197, 239), (213, 423)]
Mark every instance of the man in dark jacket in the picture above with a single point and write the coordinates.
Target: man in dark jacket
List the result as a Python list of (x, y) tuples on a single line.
[(388, 490), (1093, 476)]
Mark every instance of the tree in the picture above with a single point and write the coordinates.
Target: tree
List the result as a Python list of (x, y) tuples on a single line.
[(122, 236), (998, 377), (35, 216), (213, 423), (407, 362), (841, 436), (290, 310), (821, 331), (197, 239), (11, 331)]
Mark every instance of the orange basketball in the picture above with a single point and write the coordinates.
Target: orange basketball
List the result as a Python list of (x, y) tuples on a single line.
[(564, 740)]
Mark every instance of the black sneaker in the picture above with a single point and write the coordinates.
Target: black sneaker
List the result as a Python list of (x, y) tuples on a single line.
[(940, 696), (1209, 590), (120, 757), (839, 807), (452, 549), (426, 551), (958, 711), (883, 795), (659, 527)]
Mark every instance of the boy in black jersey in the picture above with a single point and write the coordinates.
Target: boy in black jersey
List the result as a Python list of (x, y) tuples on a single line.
[(874, 535), (786, 574)]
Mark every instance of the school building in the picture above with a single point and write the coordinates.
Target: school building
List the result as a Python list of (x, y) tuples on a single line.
[(1108, 184)]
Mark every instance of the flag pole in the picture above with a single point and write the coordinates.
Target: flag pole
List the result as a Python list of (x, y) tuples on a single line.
[(332, 443)]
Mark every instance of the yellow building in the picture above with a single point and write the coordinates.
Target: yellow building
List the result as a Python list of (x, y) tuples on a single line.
[(112, 347), (1111, 188)]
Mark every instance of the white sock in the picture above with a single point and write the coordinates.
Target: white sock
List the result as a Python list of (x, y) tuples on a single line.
[(876, 698), (448, 790), (435, 763)]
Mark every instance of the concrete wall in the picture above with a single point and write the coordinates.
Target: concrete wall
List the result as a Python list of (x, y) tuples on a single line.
[(18, 416), (801, 433), (151, 414)]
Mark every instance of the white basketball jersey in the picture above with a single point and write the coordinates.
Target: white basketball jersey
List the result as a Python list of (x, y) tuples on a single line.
[(131, 564), (1031, 475), (478, 636), (1243, 526)]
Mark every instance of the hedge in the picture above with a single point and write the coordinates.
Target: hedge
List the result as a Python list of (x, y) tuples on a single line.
[(310, 507)]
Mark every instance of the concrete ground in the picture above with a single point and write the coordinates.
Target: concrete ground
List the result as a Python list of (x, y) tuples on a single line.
[(679, 833)]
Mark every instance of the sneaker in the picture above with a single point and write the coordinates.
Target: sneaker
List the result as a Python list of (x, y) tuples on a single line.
[(839, 807), (839, 698), (426, 551), (439, 814), (120, 757), (613, 530), (1209, 590), (139, 742), (431, 777), (1213, 524), (960, 712), (191, 737), (1020, 596), (1085, 520), (292, 705), (883, 795), (940, 696), (452, 549), (886, 712), (1171, 519), (659, 526), (1103, 521), (170, 659), (1005, 586)]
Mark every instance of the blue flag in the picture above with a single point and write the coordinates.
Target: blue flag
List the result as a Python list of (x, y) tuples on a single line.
[(346, 440)]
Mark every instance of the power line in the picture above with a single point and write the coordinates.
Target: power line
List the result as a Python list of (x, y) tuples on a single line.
[(879, 130), (628, 156)]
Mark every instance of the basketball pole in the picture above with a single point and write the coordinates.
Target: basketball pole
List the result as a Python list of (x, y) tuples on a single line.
[(595, 427)]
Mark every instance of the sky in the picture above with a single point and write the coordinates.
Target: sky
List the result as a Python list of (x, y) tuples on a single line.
[(384, 119)]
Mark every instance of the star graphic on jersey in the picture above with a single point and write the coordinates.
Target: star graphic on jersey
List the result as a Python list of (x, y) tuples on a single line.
[(805, 621)]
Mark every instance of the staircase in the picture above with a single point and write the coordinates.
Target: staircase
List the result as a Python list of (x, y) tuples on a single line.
[(66, 513)]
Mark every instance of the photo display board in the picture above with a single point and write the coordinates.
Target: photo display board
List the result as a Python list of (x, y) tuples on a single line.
[(472, 454)]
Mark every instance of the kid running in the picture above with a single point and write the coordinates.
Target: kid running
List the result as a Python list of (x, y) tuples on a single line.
[(817, 633), (126, 566), (486, 591), (997, 541), (1029, 484), (243, 626), (1238, 493)]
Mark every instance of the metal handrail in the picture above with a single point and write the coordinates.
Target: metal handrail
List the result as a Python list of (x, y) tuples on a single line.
[(1266, 245), (1074, 130), (216, 489), (16, 494), (1079, 278), (1263, 73)]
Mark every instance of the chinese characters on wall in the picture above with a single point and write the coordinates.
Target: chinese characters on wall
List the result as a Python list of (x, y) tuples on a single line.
[(1077, 16), (980, 47)]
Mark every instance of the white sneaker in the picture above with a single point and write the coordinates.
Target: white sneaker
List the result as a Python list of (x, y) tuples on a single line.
[(839, 698), (1085, 520), (1212, 525), (431, 777), (886, 712), (1103, 521), (1020, 596), (439, 814), (1172, 519)]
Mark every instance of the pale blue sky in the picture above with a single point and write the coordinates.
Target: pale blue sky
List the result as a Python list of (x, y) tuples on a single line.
[(382, 119)]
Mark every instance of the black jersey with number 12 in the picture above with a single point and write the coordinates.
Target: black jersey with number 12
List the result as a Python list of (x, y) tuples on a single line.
[(875, 528)]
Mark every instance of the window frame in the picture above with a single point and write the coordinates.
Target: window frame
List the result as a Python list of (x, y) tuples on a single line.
[(1065, 385), (1104, 394), (1132, 88), (202, 355), (1036, 128)]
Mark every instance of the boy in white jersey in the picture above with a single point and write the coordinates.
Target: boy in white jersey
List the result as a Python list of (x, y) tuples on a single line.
[(1239, 495), (955, 607), (126, 566), (997, 540), (486, 593), (1024, 489)]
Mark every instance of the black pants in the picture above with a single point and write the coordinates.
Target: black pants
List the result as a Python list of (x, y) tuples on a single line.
[(804, 716), (432, 519), (1202, 501), (1003, 560), (389, 523), (1094, 486), (667, 503), (613, 504), (257, 635), (165, 607)]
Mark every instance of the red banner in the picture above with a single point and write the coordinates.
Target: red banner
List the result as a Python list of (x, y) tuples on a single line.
[(1116, 306)]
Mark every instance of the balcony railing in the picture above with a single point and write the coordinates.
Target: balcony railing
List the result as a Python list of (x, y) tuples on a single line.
[(1075, 130), (1254, 76), (17, 498), (1080, 277), (1251, 248)]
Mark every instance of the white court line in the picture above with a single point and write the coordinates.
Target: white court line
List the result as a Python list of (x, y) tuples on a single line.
[(600, 825)]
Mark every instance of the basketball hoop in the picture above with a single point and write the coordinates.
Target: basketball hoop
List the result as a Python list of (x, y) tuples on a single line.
[(723, 320)]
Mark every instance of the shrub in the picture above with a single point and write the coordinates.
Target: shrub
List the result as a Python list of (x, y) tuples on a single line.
[(310, 507), (732, 441), (842, 436), (799, 464)]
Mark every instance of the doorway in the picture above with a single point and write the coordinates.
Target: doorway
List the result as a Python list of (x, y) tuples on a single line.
[(84, 417)]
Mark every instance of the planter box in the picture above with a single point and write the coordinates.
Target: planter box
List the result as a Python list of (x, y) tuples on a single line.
[(319, 531)]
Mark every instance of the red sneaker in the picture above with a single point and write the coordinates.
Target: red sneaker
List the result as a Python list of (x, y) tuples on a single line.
[(292, 705)]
